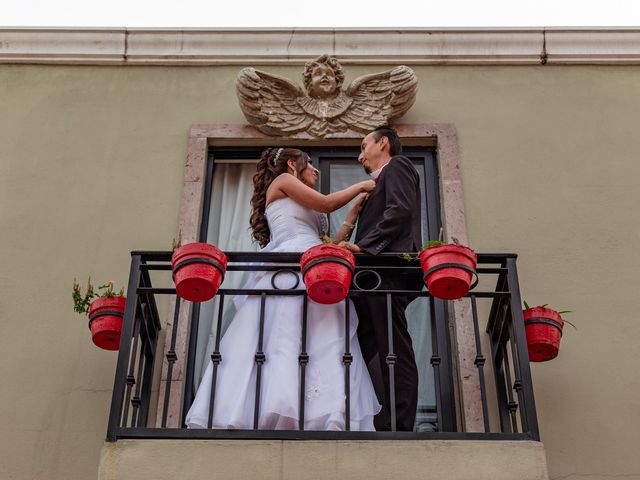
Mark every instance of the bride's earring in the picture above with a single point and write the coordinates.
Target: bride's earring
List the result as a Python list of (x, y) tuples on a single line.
[(292, 168)]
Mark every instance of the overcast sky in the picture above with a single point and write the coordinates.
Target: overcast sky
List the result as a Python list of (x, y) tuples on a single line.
[(322, 13)]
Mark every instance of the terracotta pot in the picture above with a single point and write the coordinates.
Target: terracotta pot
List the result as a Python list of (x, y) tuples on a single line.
[(448, 270), (543, 327), (327, 271), (198, 271), (105, 321)]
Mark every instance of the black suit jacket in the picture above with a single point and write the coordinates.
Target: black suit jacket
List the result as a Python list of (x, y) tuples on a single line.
[(390, 220)]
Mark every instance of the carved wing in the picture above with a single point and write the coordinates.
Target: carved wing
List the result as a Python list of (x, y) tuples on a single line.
[(270, 102), (380, 97)]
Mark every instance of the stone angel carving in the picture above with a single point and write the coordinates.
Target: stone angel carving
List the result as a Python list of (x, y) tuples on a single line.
[(277, 106)]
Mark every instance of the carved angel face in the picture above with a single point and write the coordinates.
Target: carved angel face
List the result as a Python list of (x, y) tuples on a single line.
[(323, 83)]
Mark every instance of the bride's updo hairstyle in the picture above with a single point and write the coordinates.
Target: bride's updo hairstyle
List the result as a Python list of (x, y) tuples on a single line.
[(272, 163)]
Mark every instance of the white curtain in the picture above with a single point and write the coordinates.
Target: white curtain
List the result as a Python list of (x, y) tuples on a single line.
[(228, 230)]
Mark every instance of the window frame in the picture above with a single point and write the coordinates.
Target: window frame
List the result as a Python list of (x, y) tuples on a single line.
[(442, 136)]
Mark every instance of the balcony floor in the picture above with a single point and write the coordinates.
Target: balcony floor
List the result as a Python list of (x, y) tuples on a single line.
[(335, 460)]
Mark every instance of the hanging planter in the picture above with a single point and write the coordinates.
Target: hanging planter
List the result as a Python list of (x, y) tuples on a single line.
[(105, 310), (198, 271), (543, 327), (448, 270), (327, 271), (105, 321)]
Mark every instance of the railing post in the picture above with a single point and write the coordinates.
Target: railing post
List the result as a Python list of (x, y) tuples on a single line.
[(216, 359), (189, 364), (528, 405), (497, 322), (170, 359), (469, 384), (479, 363), (303, 360), (442, 350), (123, 352)]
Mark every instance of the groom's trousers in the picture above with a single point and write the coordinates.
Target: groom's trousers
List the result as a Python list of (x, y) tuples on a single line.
[(373, 338)]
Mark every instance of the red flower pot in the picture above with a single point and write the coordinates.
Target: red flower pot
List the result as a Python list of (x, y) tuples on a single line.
[(327, 270), (543, 327), (198, 271), (448, 270), (105, 321)]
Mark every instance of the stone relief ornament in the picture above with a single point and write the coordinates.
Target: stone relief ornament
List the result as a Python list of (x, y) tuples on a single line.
[(277, 106)]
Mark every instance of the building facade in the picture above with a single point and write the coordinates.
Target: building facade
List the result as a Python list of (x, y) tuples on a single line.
[(106, 138)]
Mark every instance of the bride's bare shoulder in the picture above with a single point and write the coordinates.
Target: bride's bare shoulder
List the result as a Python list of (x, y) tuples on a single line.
[(275, 191)]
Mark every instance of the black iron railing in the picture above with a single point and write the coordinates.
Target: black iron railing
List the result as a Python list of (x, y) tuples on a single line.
[(506, 391)]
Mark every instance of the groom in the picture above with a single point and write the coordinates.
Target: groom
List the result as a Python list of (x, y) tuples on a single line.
[(390, 221)]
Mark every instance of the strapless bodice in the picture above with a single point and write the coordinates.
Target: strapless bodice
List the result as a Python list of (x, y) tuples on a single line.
[(294, 228)]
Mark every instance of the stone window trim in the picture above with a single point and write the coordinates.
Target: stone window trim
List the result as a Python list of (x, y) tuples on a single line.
[(441, 135)]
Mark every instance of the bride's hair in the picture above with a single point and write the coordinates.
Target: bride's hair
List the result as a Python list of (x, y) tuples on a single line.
[(272, 163)]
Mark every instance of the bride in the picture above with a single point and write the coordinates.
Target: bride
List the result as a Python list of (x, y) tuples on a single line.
[(286, 217)]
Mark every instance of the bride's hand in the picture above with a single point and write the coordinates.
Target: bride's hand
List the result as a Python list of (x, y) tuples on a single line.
[(350, 246), (358, 203), (354, 211), (367, 185)]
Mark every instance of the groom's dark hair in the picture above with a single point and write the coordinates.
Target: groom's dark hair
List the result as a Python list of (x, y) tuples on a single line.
[(395, 147)]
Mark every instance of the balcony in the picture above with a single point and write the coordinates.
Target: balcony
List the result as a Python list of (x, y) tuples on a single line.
[(149, 407)]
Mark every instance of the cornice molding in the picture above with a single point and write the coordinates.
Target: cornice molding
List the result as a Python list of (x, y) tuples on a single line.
[(453, 46)]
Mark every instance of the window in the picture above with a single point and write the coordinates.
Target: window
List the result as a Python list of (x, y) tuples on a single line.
[(225, 222)]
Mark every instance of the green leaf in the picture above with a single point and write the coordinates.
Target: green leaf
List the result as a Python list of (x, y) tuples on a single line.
[(409, 258), (567, 321), (526, 305), (432, 243)]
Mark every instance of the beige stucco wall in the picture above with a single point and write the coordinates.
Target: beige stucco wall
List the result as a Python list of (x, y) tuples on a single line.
[(91, 165)]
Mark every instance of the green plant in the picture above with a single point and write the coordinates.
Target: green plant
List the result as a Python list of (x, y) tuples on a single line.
[(175, 243), (439, 241), (327, 239), (432, 243), (428, 244), (546, 305), (82, 301)]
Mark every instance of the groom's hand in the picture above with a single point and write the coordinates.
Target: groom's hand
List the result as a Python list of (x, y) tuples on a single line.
[(350, 246)]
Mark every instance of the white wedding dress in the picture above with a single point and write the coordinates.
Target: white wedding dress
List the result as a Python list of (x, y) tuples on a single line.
[(294, 228)]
